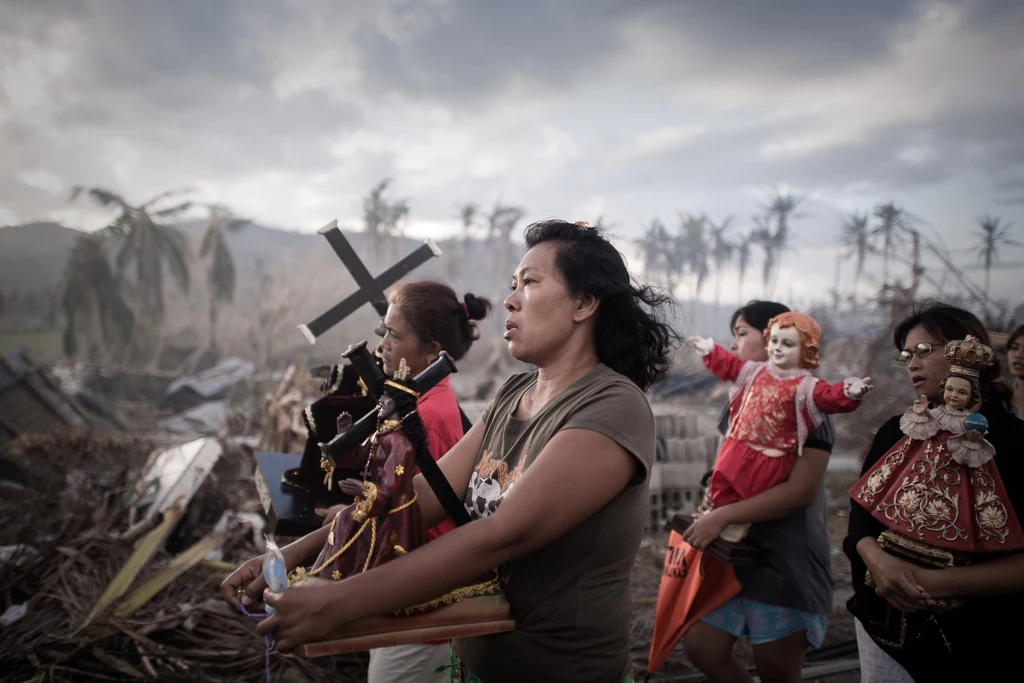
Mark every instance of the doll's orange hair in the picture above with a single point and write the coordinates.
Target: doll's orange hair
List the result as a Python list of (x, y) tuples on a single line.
[(810, 334)]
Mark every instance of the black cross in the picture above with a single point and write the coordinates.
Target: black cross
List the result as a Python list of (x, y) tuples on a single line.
[(371, 290)]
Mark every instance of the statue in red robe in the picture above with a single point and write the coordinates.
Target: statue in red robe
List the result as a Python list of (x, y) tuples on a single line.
[(384, 521), (938, 490)]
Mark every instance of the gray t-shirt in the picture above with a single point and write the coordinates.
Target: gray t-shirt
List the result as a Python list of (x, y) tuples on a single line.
[(571, 598), (797, 571)]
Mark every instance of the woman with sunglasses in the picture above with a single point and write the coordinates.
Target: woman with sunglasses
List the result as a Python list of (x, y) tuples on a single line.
[(969, 644)]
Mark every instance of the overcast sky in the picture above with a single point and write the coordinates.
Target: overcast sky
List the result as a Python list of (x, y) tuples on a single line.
[(289, 111)]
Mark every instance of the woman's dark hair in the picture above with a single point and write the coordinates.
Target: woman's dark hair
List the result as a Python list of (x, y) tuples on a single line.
[(757, 314), (950, 323), (435, 314), (1014, 336), (412, 425), (631, 334)]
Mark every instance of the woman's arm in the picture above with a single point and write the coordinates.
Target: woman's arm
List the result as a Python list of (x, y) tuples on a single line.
[(797, 492), (457, 466), (781, 500), (996, 577), (536, 511)]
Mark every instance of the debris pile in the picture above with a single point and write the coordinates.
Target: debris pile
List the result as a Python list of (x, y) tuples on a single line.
[(105, 575)]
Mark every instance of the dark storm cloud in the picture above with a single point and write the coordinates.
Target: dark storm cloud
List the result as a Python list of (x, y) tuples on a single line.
[(196, 86)]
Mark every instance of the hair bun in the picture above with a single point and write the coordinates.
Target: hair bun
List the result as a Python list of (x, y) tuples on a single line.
[(477, 308)]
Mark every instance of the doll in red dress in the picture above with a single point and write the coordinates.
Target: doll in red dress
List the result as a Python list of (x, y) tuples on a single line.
[(938, 490), (774, 405)]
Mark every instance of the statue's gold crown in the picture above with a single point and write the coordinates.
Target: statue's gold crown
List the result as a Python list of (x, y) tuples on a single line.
[(969, 356)]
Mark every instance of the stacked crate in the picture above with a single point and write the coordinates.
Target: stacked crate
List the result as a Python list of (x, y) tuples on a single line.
[(685, 453)]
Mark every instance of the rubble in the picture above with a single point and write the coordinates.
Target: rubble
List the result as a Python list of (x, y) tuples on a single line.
[(81, 602), (211, 384)]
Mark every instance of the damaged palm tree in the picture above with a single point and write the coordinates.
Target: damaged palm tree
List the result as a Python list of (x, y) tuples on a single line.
[(92, 302)]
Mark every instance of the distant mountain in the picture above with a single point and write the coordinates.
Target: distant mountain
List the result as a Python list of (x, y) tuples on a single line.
[(33, 256)]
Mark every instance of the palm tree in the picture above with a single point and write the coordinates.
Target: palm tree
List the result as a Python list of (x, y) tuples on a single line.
[(394, 227), (722, 251), (762, 237), (510, 216), (655, 246), (149, 243), (92, 301), (493, 221), (375, 215), (220, 274), (467, 214), (892, 223), (692, 250), (856, 238), (992, 235), (782, 209), (743, 258)]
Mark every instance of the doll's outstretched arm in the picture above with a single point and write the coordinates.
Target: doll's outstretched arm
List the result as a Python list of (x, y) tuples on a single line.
[(719, 361), (841, 397)]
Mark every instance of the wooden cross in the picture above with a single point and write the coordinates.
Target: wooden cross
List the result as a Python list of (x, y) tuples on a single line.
[(371, 290)]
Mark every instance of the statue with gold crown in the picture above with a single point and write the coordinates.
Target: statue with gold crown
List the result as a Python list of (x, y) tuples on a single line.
[(937, 490)]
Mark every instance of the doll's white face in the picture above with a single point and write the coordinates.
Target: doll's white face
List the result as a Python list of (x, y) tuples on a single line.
[(958, 393), (784, 348)]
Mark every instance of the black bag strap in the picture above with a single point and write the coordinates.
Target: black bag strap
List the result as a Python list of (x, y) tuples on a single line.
[(442, 489)]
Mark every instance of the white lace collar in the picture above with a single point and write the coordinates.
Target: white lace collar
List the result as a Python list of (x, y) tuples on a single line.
[(792, 373)]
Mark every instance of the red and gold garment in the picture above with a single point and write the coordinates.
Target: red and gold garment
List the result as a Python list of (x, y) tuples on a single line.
[(941, 489), (769, 409), (385, 521)]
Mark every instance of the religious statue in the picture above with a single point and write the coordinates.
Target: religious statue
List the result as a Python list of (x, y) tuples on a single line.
[(384, 520), (938, 490), (774, 405), (343, 394)]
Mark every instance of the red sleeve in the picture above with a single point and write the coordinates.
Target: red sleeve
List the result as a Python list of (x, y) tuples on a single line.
[(725, 365), (832, 398)]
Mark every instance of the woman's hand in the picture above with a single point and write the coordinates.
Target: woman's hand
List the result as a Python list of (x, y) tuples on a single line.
[(352, 487), (245, 585), (302, 614), (706, 528), (895, 580), (706, 505), (921, 405)]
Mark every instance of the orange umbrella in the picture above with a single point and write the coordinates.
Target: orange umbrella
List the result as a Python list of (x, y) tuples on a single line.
[(693, 585)]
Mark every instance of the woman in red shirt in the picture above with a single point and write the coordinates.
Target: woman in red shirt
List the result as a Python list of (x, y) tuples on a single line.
[(424, 318)]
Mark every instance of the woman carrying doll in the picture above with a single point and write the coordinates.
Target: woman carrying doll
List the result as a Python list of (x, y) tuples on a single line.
[(934, 535), (774, 405)]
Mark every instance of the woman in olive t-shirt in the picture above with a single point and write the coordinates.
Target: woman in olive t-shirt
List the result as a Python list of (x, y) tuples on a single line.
[(556, 474)]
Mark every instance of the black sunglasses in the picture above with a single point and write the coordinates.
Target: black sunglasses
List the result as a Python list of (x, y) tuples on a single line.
[(922, 350)]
